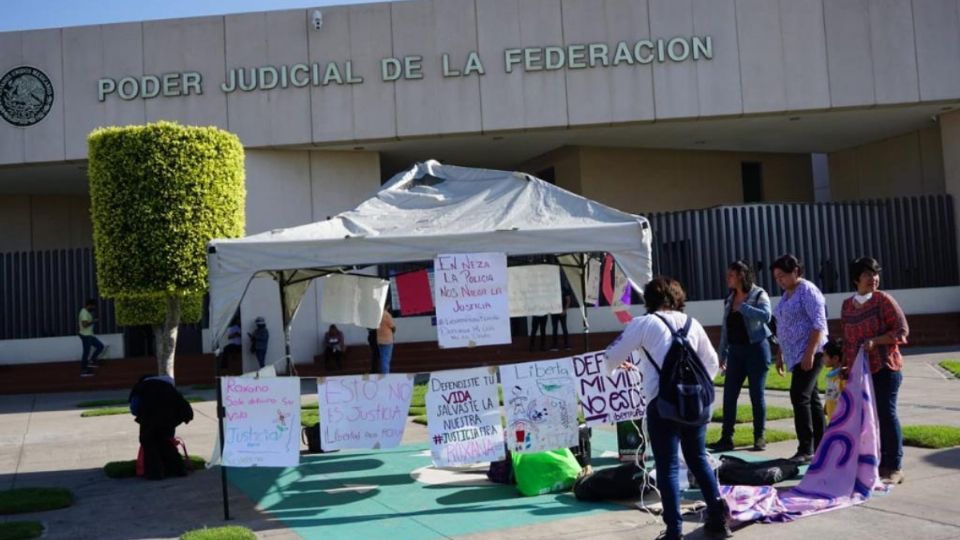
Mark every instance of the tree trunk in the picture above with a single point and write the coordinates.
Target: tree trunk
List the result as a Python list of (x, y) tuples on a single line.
[(166, 337)]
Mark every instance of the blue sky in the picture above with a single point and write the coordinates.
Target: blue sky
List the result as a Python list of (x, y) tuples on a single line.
[(32, 14)]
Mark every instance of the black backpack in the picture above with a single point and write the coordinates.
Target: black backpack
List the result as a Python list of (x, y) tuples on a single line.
[(686, 391)]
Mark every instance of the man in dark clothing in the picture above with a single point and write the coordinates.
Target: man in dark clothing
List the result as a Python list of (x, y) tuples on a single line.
[(159, 408), (374, 350)]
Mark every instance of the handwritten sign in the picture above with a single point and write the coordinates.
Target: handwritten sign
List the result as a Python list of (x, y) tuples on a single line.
[(262, 422), (471, 300), (363, 412), (541, 402), (463, 417), (534, 290), (593, 282), (607, 398)]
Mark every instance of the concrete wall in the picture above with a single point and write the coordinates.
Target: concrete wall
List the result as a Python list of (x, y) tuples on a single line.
[(566, 167), (768, 57), (911, 164), (54, 349), (289, 188), (643, 181), (41, 222), (950, 139)]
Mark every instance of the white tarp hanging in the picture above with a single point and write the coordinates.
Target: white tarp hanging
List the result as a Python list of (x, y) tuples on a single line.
[(353, 300), (428, 210)]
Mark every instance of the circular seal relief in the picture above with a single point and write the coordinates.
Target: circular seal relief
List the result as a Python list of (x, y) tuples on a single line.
[(26, 96)]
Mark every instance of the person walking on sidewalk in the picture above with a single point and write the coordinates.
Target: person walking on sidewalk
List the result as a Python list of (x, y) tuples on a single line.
[(86, 320), (744, 352), (801, 318)]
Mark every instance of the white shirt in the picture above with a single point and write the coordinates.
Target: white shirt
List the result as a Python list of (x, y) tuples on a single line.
[(651, 334)]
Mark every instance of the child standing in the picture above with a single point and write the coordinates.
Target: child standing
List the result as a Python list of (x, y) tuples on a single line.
[(833, 360)]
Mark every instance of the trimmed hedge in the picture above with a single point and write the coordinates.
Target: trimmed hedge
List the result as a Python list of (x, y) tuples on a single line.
[(158, 194), (153, 310), (20, 530)]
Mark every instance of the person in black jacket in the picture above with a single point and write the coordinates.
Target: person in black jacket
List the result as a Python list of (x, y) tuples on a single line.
[(159, 408)]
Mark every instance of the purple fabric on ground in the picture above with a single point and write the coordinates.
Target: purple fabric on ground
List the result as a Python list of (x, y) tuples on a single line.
[(844, 469)]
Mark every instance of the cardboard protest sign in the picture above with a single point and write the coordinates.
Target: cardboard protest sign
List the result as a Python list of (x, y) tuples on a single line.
[(363, 411), (471, 300), (607, 398), (541, 402), (463, 417), (534, 290), (593, 282), (262, 422)]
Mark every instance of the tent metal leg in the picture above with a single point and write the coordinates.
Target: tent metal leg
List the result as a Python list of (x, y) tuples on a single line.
[(221, 412)]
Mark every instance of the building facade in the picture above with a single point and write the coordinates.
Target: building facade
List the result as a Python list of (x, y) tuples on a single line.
[(645, 105)]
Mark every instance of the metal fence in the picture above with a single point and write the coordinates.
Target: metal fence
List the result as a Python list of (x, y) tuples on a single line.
[(41, 293), (914, 239)]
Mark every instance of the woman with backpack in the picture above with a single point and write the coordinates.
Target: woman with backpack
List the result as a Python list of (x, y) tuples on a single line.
[(744, 352), (654, 334)]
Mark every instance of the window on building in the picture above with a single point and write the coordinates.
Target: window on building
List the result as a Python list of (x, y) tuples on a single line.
[(548, 175), (751, 174)]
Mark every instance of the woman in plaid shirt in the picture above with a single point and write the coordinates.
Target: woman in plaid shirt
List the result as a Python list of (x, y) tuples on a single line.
[(872, 319)]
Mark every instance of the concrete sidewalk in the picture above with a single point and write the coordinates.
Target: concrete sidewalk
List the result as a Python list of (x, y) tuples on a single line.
[(44, 442)]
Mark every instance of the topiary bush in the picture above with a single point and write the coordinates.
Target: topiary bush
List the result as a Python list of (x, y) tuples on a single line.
[(158, 194)]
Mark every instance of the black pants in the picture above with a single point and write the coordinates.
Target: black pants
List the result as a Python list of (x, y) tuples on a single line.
[(807, 408), (160, 457), (538, 323), (561, 319), (374, 351)]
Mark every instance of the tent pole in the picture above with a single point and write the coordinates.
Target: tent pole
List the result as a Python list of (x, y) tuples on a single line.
[(221, 412), (583, 300)]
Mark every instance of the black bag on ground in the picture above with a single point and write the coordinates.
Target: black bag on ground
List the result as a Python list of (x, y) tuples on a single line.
[(610, 484), (501, 472), (686, 391), (737, 472)]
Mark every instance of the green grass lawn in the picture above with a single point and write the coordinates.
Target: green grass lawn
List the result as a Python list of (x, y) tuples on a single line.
[(744, 437), (776, 382), (309, 406), (931, 436), (101, 403), (953, 366), (422, 420), (220, 533), (419, 396), (745, 414), (128, 469), (24, 500), (20, 530), (309, 417)]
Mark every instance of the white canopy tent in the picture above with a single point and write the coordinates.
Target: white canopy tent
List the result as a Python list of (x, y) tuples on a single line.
[(420, 213)]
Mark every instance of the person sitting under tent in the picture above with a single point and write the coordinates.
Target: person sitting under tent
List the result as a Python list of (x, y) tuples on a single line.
[(334, 347), (159, 408)]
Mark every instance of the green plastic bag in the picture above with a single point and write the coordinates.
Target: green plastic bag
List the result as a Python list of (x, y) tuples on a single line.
[(545, 472)]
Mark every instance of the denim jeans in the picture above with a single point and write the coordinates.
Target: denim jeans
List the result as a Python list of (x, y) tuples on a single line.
[(746, 362), (386, 354), (808, 418), (90, 342), (665, 437), (886, 386)]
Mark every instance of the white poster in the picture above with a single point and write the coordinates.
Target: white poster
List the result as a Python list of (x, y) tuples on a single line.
[(471, 299), (534, 290), (463, 417), (593, 282), (541, 402), (363, 411), (353, 300), (608, 398), (262, 422)]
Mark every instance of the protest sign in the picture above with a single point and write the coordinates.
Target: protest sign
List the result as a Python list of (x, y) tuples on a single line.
[(471, 298), (261, 424), (593, 282), (607, 398), (541, 402), (463, 417), (363, 411), (534, 290)]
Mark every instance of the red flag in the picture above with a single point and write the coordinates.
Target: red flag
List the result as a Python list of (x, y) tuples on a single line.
[(413, 288)]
